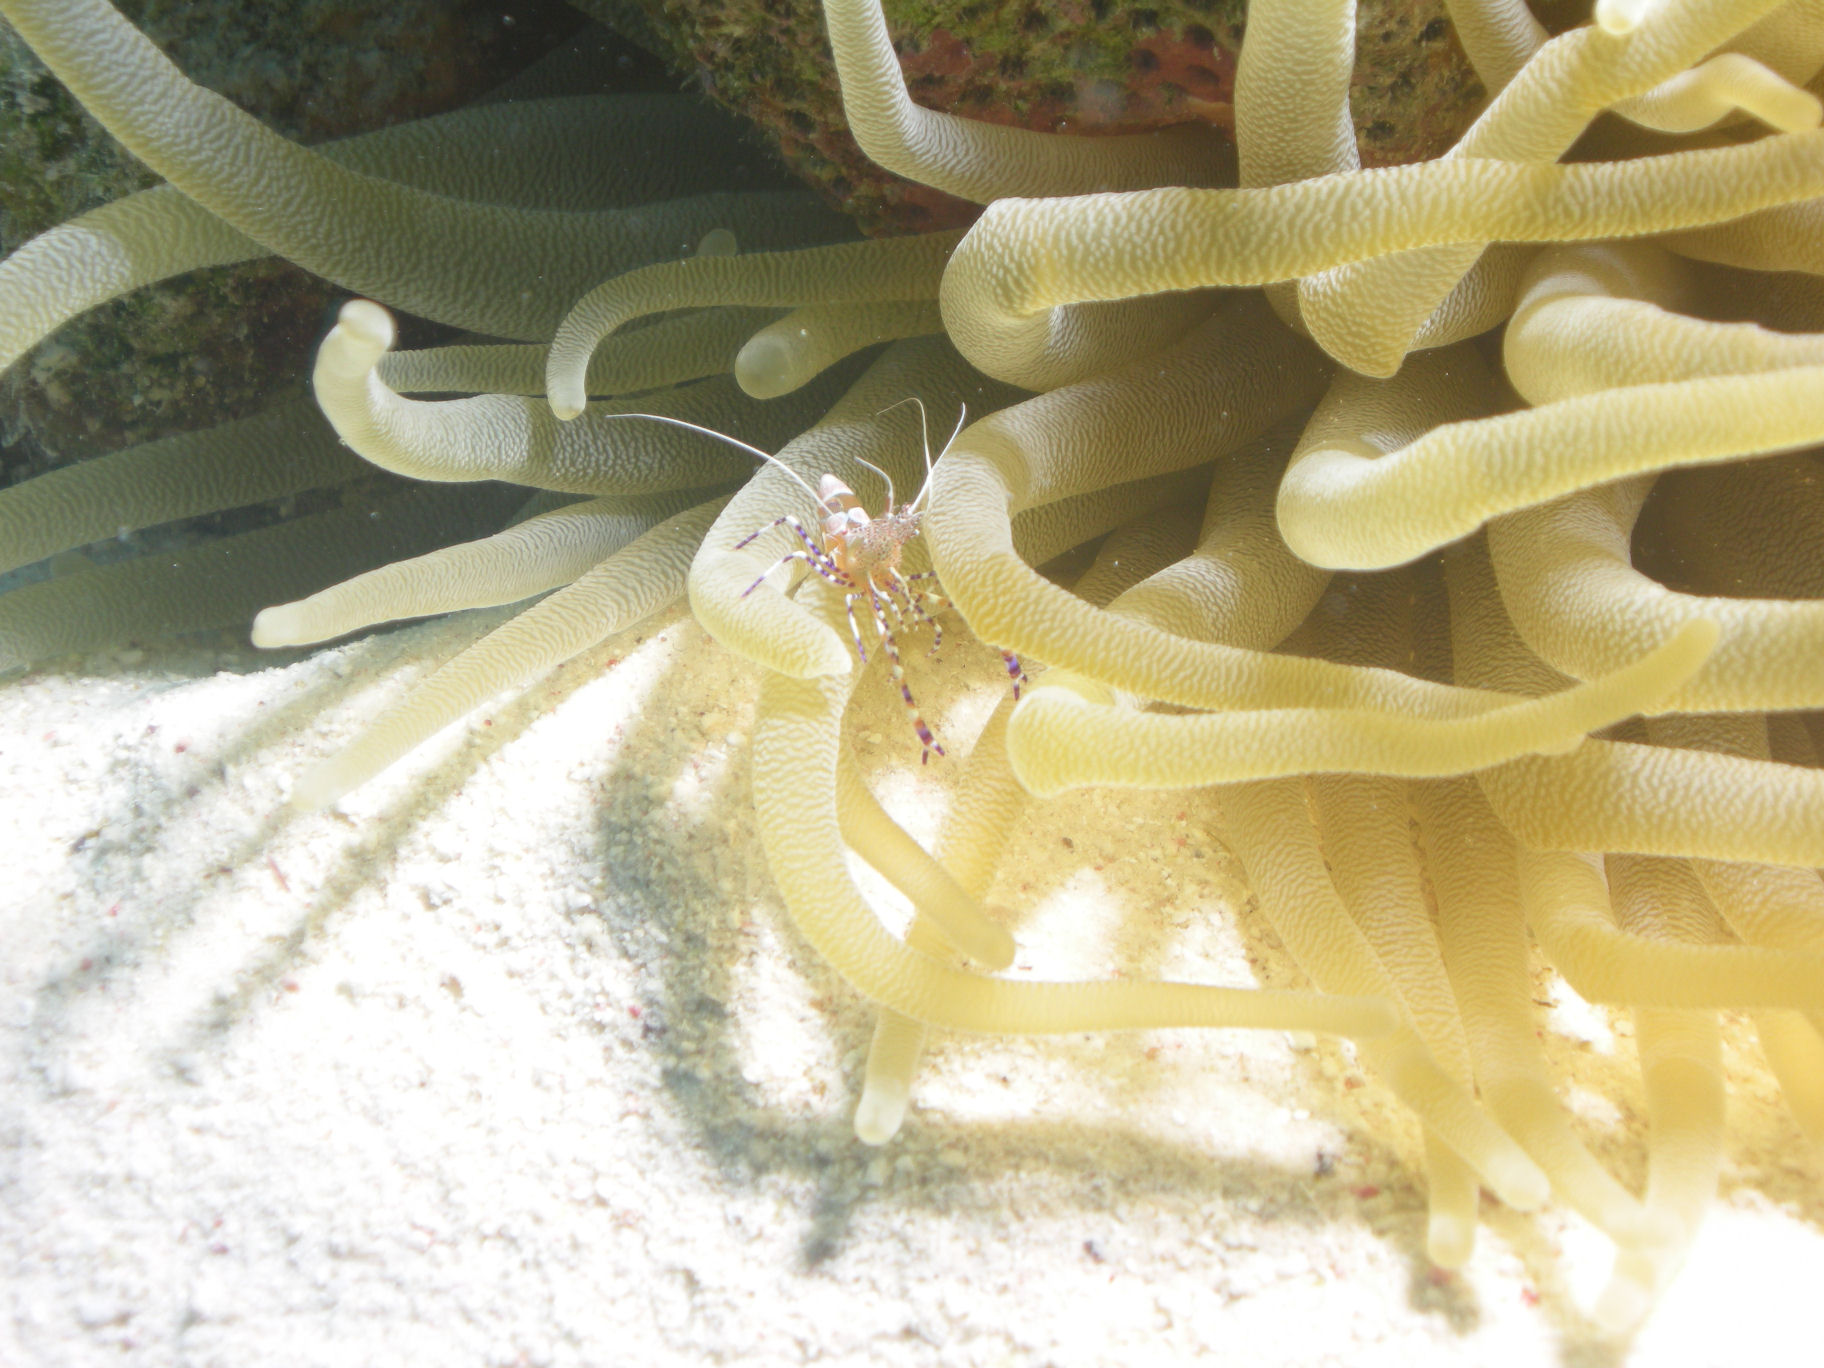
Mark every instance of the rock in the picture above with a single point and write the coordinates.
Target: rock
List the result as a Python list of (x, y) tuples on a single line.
[(1076, 65)]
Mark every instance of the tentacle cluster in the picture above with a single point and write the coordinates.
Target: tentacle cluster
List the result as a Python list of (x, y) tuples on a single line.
[(1435, 561)]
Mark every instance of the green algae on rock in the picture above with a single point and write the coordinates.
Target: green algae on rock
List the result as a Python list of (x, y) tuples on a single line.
[(215, 343)]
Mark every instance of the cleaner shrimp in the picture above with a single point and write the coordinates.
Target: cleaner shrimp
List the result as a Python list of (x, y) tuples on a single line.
[(860, 555)]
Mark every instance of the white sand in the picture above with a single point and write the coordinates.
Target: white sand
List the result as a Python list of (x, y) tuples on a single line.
[(515, 1059)]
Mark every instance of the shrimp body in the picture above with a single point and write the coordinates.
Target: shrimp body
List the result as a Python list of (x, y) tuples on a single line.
[(860, 554)]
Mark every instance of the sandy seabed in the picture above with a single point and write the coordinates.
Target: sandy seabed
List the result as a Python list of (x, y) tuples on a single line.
[(514, 1058)]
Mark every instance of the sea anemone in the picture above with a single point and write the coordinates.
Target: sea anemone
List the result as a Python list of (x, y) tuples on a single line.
[(1501, 613)]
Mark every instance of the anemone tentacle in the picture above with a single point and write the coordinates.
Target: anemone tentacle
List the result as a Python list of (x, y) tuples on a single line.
[(512, 437), (1014, 280), (985, 162), (543, 552), (161, 232), (1461, 560), (895, 271), (629, 585)]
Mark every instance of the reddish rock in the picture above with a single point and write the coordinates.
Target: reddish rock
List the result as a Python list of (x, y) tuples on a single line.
[(1056, 65)]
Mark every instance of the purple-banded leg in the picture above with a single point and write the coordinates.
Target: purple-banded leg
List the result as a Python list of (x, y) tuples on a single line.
[(918, 599), (1015, 671), (848, 604), (898, 671), (889, 598), (928, 614), (813, 555), (937, 628), (929, 605), (818, 561), (783, 520)]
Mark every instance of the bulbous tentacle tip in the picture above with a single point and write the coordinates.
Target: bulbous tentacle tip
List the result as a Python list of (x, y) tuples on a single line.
[(1028, 761), (277, 627), (567, 367), (1378, 358), (998, 949), (364, 332), (882, 1110), (1622, 17), (764, 368), (318, 787), (368, 325), (833, 657), (1518, 1182), (1628, 1297), (1449, 1240), (719, 242)]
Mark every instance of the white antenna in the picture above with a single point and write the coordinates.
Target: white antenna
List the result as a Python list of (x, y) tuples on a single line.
[(732, 441), (962, 416), (862, 460), (924, 432)]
